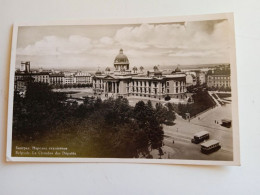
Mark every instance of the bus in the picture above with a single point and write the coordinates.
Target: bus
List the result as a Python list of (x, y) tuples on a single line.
[(226, 123), (210, 146), (200, 137)]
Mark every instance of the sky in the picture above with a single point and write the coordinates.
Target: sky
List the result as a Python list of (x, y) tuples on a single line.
[(96, 46)]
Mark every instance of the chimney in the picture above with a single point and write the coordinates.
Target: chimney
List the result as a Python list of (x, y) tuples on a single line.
[(27, 67), (22, 66)]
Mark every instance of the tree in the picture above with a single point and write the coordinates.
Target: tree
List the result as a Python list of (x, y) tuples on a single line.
[(167, 98), (149, 104), (170, 116), (40, 109), (149, 122)]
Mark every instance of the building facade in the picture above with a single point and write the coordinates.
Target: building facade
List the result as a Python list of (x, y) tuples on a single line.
[(123, 82), (83, 78), (56, 78), (25, 74), (41, 77), (219, 81), (219, 77)]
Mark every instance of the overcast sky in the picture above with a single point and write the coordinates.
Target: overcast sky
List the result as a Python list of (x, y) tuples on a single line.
[(92, 46)]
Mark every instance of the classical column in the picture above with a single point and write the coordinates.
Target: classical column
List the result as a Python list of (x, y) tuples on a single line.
[(115, 87), (94, 84), (112, 87)]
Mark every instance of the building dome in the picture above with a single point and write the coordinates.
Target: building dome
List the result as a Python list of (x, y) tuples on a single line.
[(135, 69), (177, 69), (121, 58), (107, 69), (155, 68), (157, 73), (98, 72), (121, 61)]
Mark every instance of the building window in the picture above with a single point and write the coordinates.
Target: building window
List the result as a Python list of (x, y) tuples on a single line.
[(168, 91), (167, 83)]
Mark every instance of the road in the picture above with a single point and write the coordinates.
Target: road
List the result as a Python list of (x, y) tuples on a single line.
[(182, 133)]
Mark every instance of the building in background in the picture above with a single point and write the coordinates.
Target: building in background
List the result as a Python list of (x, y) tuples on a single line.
[(219, 77), (69, 78), (24, 75), (41, 77), (123, 82), (84, 77), (201, 77), (56, 78), (191, 79)]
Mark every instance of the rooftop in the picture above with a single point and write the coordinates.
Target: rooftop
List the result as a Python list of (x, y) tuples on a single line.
[(201, 133), (209, 143)]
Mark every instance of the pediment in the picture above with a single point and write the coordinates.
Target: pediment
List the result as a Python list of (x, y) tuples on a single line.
[(109, 77)]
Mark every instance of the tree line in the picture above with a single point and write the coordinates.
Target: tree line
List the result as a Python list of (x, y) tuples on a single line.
[(70, 85)]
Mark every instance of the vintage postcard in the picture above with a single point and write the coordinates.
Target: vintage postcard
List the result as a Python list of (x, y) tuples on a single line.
[(146, 90)]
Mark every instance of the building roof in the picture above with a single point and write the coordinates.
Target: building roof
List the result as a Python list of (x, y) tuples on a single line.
[(209, 143), (217, 72), (56, 75), (157, 73), (40, 73), (201, 133), (31, 73), (226, 120), (174, 76)]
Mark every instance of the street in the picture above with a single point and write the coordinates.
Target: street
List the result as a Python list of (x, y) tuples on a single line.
[(183, 130)]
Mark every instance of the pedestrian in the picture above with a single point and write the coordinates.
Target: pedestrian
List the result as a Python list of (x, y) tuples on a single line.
[(173, 141)]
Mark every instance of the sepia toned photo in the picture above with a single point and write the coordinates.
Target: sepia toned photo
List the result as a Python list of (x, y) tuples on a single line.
[(154, 90)]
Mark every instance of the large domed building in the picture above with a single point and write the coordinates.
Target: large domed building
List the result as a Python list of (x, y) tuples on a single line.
[(122, 82), (121, 61)]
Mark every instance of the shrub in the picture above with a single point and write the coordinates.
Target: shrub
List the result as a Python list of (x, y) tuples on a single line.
[(167, 98)]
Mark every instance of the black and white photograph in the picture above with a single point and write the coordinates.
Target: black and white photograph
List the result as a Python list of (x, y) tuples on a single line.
[(149, 90)]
